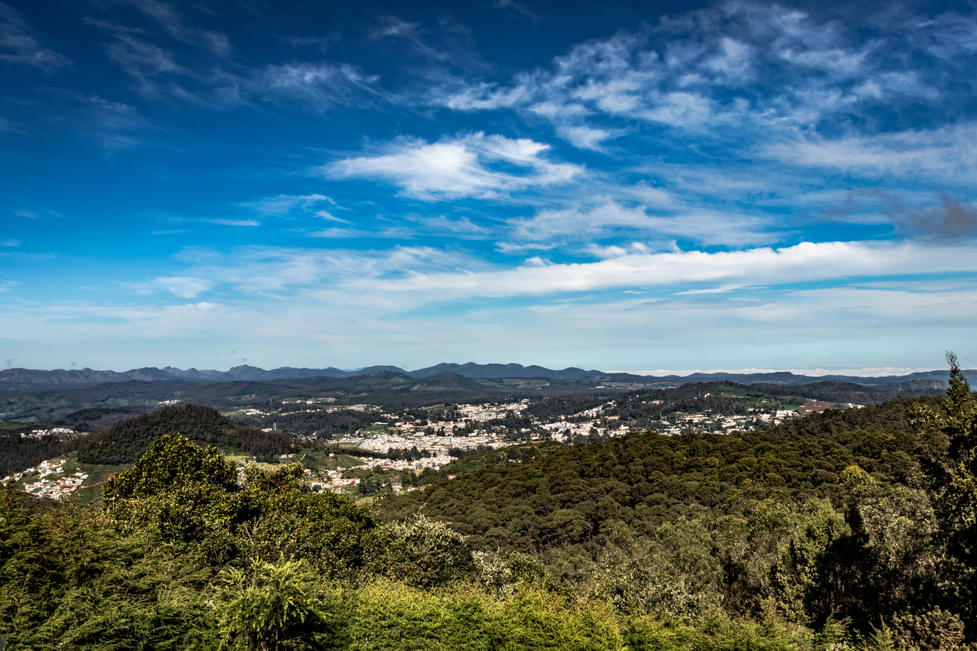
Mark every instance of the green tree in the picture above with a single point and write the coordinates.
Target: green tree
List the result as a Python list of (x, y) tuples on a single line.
[(422, 552), (172, 461), (949, 436)]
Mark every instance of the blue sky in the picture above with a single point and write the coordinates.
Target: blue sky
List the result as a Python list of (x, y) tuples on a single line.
[(627, 187)]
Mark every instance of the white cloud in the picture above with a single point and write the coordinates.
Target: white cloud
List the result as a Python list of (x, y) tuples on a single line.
[(585, 137), (460, 167), (615, 251), (556, 111), (649, 195), (241, 223), (461, 226), (264, 270), (802, 262), (608, 217), (680, 109), (284, 204), (838, 61), (944, 153), (328, 216), (733, 61), (485, 97), (183, 286), (699, 72)]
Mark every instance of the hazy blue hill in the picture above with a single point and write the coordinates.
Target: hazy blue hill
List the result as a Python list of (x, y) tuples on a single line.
[(500, 371)]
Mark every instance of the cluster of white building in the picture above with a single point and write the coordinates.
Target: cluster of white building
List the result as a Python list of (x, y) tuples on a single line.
[(487, 411), (51, 481), (333, 481), (44, 433), (433, 462), (563, 430), (708, 423)]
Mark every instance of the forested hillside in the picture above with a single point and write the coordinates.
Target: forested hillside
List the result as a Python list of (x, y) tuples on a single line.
[(852, 529), (573, 496), (826, 520), (126, 441)]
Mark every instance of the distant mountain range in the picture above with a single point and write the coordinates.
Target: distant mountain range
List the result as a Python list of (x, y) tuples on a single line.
[(19, 379)]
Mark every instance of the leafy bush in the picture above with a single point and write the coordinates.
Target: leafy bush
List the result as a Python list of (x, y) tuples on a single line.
[(272, 606)]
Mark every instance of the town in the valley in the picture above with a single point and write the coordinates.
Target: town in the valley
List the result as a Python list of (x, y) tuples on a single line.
[(392, 451)]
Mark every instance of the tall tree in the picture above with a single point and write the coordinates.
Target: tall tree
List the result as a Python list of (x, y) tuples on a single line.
[(953, 477)]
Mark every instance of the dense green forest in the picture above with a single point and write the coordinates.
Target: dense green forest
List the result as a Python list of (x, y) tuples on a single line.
[(850, 529), (570, 497)]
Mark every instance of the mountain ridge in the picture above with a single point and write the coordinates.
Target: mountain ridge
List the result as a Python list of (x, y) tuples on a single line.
[(21, 379)]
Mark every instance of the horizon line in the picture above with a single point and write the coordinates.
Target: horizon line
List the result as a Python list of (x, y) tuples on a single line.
[(877, 371)]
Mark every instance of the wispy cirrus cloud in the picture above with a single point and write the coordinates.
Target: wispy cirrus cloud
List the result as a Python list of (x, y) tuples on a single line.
[(265, 270), (599, 219), (169, 19), (393, 27), (294, 206), (117, 125), (319, 85), (460, 227), (201, 70), (180, 286), (145, 62), (227, 221), (943, 153), (20, 44), (284, 204)]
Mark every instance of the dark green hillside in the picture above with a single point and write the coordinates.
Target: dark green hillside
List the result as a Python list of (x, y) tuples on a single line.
[(841, 521), (836, 391), (184, 553), (126, 441), (574, 497), (895, 416)]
